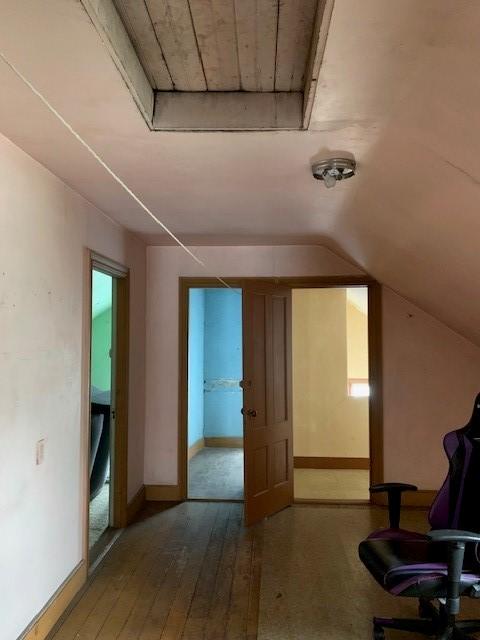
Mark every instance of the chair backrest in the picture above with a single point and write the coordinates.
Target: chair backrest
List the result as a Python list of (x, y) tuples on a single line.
[(456, 505)]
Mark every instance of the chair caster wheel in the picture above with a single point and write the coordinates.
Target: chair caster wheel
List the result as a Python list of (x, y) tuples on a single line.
[(378, 633), (424, 610)]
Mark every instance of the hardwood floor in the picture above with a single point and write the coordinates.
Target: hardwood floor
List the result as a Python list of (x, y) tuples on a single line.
[(189, 572), (194, 572)]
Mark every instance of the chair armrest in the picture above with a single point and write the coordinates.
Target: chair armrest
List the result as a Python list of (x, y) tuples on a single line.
[(394, 491), (456, 541), (392, 486), (453, 535)]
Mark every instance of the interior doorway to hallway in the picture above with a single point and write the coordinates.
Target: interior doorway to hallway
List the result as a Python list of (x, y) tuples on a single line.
[(108, 404), (318, 438), (215, 371), (101, 430), (331, 392)]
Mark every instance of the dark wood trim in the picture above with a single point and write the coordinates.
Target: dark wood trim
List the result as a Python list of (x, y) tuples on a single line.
[(121, 371), (47, 621), (86, 395), (422, 498), (332, 503), (374, 352), (120, 377), (163, 493), (227, 442), (136, 504), (319, 282), (375, 365), (313, 462), (194, 448), (182, 459), (315, 282)]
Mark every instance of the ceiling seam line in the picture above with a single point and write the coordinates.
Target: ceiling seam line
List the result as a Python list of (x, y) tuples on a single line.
[(196, 43), (107, 168), (159, 46), (239, 70), (276, 49)]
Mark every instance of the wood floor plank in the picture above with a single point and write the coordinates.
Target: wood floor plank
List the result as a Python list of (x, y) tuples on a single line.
[(161, 564), (159, 613), (93, 626), (218, 612), (198, 614), (179, 612), (182, 574), (136, 620), (288, 577), (237, 616), (119, 563), (255, 584), (85, 609), (153, 560)]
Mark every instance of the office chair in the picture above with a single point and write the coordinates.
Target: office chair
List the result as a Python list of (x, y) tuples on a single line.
[(444, 564)]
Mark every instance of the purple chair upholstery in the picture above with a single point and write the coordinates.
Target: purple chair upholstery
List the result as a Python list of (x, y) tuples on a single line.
[(443, 564), (446, 510)]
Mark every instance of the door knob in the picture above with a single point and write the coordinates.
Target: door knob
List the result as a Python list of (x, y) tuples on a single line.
[(249, 412)]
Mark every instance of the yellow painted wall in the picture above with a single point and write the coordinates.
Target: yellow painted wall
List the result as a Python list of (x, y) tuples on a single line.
[(326, 421), (357, 342)]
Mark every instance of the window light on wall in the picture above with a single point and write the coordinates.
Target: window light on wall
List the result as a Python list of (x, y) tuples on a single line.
[(358, 388)]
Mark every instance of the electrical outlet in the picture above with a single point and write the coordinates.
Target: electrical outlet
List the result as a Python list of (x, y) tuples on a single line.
[(40, 453)]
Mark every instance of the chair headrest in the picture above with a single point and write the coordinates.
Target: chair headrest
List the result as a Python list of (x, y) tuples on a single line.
[(474, 423)]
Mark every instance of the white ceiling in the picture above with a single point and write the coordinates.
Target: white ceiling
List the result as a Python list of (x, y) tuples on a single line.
[(399, 88)]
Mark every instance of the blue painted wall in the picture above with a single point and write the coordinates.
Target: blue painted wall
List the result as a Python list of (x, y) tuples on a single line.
[(223, 363), (214, 364), (196, 330)]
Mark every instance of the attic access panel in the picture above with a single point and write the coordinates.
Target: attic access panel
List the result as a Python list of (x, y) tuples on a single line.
[(227, 64)]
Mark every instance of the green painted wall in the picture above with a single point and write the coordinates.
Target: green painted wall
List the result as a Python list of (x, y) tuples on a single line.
[(101, 371)]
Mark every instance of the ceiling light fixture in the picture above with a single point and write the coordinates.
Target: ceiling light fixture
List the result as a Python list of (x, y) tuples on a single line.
[(333, 170)]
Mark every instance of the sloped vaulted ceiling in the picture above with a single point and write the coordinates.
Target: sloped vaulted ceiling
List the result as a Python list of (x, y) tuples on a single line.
[(399, 88)]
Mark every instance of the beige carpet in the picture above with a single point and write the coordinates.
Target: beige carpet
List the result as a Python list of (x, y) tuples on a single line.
[(314, 587), (331, 484), (99, 515)]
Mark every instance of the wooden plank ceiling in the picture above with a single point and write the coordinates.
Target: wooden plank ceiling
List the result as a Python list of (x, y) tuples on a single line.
[(221, 45)]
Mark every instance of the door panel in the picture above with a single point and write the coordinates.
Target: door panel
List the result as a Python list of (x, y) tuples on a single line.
[(268, 441), (279, 328), (258, 379)]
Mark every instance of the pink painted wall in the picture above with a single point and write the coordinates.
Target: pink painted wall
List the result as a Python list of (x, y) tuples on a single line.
[(44, 227), (164, 266), (431, 374), (431, 377)]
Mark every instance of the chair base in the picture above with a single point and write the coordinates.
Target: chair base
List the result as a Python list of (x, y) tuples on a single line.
[(433, 622)]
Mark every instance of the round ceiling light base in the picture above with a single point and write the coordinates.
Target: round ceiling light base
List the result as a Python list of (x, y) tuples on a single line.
[(333, 170)]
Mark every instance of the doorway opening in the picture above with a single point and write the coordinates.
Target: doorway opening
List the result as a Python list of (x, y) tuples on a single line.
[(331, 389), (215, 371), (311, 389), (107, 445), (100, 454)]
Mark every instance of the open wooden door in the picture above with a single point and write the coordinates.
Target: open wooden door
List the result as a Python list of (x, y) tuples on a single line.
[(267, 406)]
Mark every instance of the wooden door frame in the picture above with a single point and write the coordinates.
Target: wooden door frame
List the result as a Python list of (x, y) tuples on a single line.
[(120, 369), (375, 358)]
